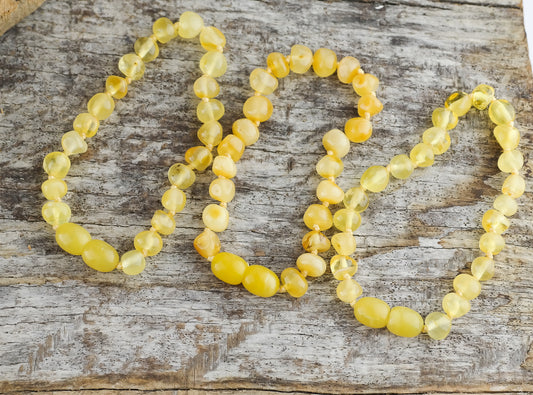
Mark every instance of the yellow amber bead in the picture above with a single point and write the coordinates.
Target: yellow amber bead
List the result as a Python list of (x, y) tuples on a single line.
[(514, 186), (369, 104), (131, 65), (263, 82), (73, 143), (328, 191), (257, 108), (293, 282), (365, 84), (210, 133), (207, 243), (349, 290), (211, 110), (482, 95), (312, 265), (191, 24), (56, 164), (459, 102), (100, 256), (56, 213), (133, 262), (422, 155), (206, 86), (455, 305), (278, 64), (54, 189), (231, 146), (401, 166), (224, 166), (72, 238), (116, 86), (494, 221), (319, 215), (181, 176), (356, 199), (163, 222), (329, 166), (215, 217), (438, 325), (507, 136), (199, 157), (146, 48), (229, 268), (214, 64), (86, 124), (482, 268), (315, 241), (324, 62), (467, 286), (506, 205), (301, 59), (372, 312), (101, 106), (174, 200), (212, 39), (492, 243), (246, 130), (347, 69), (438, 138), (342, 266), (148, 242), (336, 142), (164, 30), (358, 130), (375, 178), (511, 161), (222, 189), (347, 220), (405, 322), (501, 112), (444, 118), (344, 243), (260, 281)]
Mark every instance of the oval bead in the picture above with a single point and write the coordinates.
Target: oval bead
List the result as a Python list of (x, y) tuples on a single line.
[(206, 87), (56, 213), (101, 106), (224, 166), (72, 238), (358, 129), (342, 266), (365, 84), (210, 133), (277, 63), (315, 241), (369, 105), (181, 175), (422, 155), (199, 157), (73, 143), (246, 130), (467, 286), (482, 268), (146, 48), (482, 95), (506, 205), (438, 139), (260, 281), (356, 199), (174, 200), (222, 189), (163, 222), (514, 186), (207, 243), (344, 243), (209, 111), (215, 217), (438, 325), (492, 243), (301, 59), (459, 102), (328, 191), (311, 265), (507, 136), (511, 161), (86, 124), (116, 86), (164, 30), (229, 268), (405, 322), (324, 62), (319, 215), (372, 312), (131, 65), (148, 242), (56, 164), (214, 64), (347, 220), (100, 256), (293, 282), (257, 108), (455, 305), (329, 166), (375, 178), (501, 112), (347, 69), (190, 24), (336, 142), (132, 262), (401, 166), (349, 290), (494, 221), (444, 118), (54, 189), (212, 39), (263, 82), (231, 146)]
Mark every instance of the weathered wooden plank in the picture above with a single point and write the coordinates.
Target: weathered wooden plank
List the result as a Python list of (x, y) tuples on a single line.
[(12, 11)]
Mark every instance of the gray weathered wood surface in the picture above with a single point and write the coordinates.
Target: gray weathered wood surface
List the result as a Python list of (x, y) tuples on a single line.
[(64, 326)]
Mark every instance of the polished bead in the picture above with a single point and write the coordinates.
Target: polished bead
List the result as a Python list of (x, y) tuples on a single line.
[(349, 290), (207, 243), (344, 243), (369, 104), (405, 322), (229, 268), (164, 30), (56, 213), (246, 130), (336, 142), (467, 286), (199, 157), (347, 220), (375, 178), (315, 241), (356, 199), (514, 186), (54, 189), (507, 136), (191, 24), (319, 215), (215, 217), (342, 266), (482, 95), (206, 87), (163, 222), (210, 133), (222, 189), (257, 108), (358, 130), (231, 146), (401, 166), (56, 164), (260, 281), (293, 282), (301, 59), (146, 48), (329, 166), (459, 102), (209, 111), (438, 138), (494, 221), (372, 312), (73, 143), (214, 64), (86, 124), (224, 166), (212, 39), (347, 69), (438, 325), (328, 191), (101, 106), (148, 242), (131, 65), (72, 238), (100, 256), (506, 205), (263, 82), (181, 175), (174, 200), (278, 64), (482, 268), (455, 305), (422, 155), (511, 161), (324, 62), (444, 118), (312, 265), (501, 112), (133, 262), (491, 243), (365, 84), (116, 86)]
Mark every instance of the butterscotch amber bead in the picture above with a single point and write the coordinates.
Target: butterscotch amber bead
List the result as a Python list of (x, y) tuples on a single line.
[(507, 136), (148, 242), (444, 118), (494, 221), (214, 64), (56, 213), (315, 241), (482, 268), (375, 178), (342, 266), (405, 322), (347, 69), (174, 200), (116, 86), (324, 62), (100, 256), (401, 166), (365, 84), (181, 176), (344, 243), (246, 130), (369, 104), (72, 238), (224, 166), (455, 305), (231, 146), (86, 124), (257, 108), (422, 155), (312, 265), (372, 312), (506, 205), (511, 161), (318, 215), (482, 95), (131, 65), (356, 199), (215, 217), (336, 142), (191, 24), (438, 325), (133, 262), (328, 191), (438, 138), (209, 111), (349, 290), (263, 82), (501, 112), (164, 30), (222, 189), (358, 130), (260, 281), (229, 268), (210, 133), (459, 102), (491, 243), (293, 282), (199, 157), (101, 106), (146, 48), (206, 87), (301, 59), (278, 64), (207, 243), (73, 143), (347, 220), (212, 39), (329, 166), (514, 186), (56, 164), (163, 222), (467, 286), (54, 189)]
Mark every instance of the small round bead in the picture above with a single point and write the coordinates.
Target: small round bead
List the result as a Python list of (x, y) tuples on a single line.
[(215, 217), (494, 221), (358, 130), (191, 24), (263, 82), (100, 256), (492, 243), (349, 290), (482, 95), (328, 191), (257, 108), (375, 178), (231, 146), (146, 48), (324, 62), (86, 124), (56, 164), (209, 111), (336, 142), (372, 312), (438, 325), (455, 305), (174, 200), (181, 176), (329, 166), (438, 138), (206, 87), (514, 186), (293, 281), (405, 322), (54, 189), (459, 102), (56, 213), (344, 243), (507, 136), (301, 59), (163, 222), (401, 166), (501, 112), (210, 133), (260, 281), (342, 266), (511, 161), (229, 268), (224, 166), (347, 69), (101, 106), (164, 30), (365, 84), (214, 64), (356, 199), (467, 286), (72, 238), (148, 242), (313, 265), (246, 130), (207, 243), (315, 241), (482, 268), (116, 86), (222, 189), (131, 65), (199, 157), (212, 39), (319, 215), (369, 104), (278, 64), (506, 205), (444, 118), (133, 262), (422, 155), (73, 143), (346, 219)]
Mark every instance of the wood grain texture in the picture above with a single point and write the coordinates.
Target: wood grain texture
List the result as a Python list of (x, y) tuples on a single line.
[(175, 327), (13, 11)]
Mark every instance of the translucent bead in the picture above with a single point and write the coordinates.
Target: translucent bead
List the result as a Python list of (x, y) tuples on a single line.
[(73, 143), (347, 69), (278, 64), (263, 82), (507, 136), (401, 166), (148, 242), (208, 111), (405, 322), (207, 243), (438, 138), (133, 262), (56, 164), (100, 256), (174, 200), (336, 142), (229, 268), (501, 112), (324, 62), (222, 189), (257, 108), (372, 312), (312, 265), (212, 39), (438, 325), (342, 266), (328, 191), (246, 130), (482, 268), (260, 281), (56, 213), (210, 133), (163, 222), (459, 102), (293, 282), (494, 221), (344, 243), (301, 59), (319, 215), (231, 146), (347, 220), (214, 64), (491, 243), (116, 86), (358, 130), (54, 189), (199, 157), (506, 205), (191, 24), (86, 124), (349, 290), (72, 238), (455, 305), (206, 86), (369, 104), (315, 241), (365, 84), (482, 96), (101, 106), (164, 30), (215, 217), (181, 176), (146, 48), (224, 166), (511, 161), (514, 186), (131, 65), (467, 286), (356, 199), (444, 118), (375, 178), (422, 155), (329, 166)]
